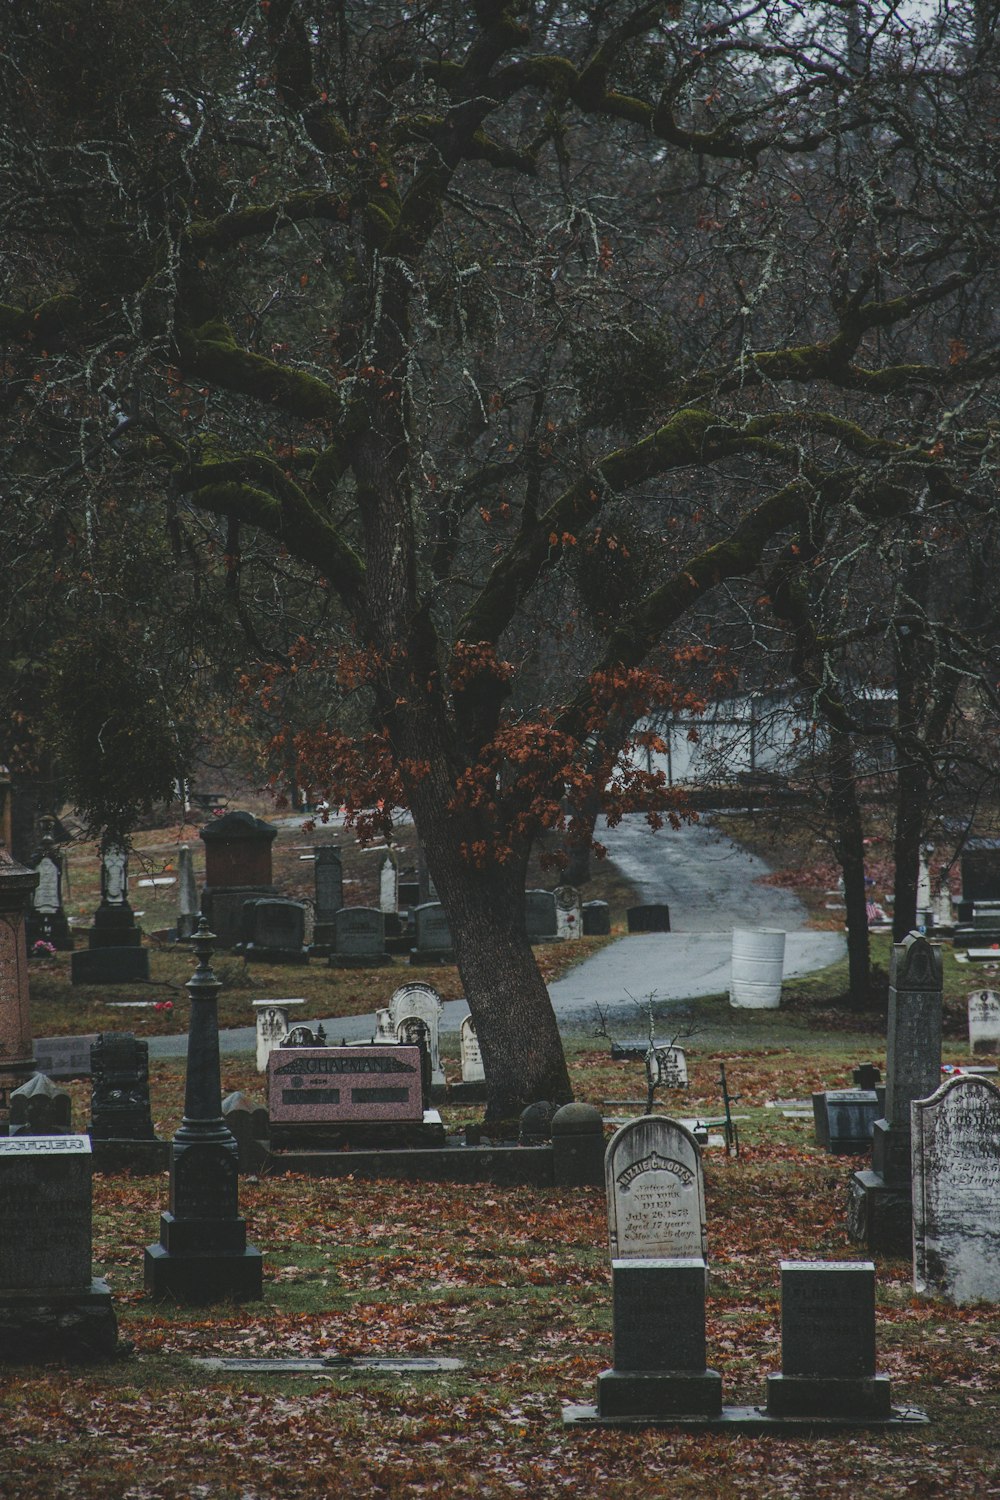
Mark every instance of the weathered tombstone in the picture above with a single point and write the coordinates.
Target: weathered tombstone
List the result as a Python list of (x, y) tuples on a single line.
[(273, 1021), (46, 920), (845, 1119), (323, 1086), (540, 916), (385, 1031), (39, 1108), (388, 879), (667, 1068), (535, 1124), (114, 952), (577, 1146), (828, 1344), (651, 917), (866, 1076), (880, 1204), (956, 1191), (656, 1191), (569, 913), (274, 930), (237, 869), (432, 935), (328, 876), (981, 870), (187, 895), (472, 1058), (64, 1056), (250, 1126), (202, 1254), (17, 1062), (659, 1342), (984, 1021), (119, 1101), (424, 1002), (50, 1304), (408, 888), (596, 919), (414, 1032), (359, 938)]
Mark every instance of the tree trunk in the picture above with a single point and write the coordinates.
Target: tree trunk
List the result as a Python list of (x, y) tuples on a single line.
[(849, 847)]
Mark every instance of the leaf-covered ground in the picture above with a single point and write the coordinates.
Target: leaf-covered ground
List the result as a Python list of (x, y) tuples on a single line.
[(516, 1283)]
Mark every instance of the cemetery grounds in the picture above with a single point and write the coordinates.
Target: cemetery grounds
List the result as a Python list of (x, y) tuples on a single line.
[(513, 1281)]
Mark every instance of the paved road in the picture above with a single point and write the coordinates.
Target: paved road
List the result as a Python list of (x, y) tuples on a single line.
[(709, 884)]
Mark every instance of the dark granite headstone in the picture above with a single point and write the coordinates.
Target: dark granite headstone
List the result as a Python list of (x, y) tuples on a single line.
[(274, 930), (653, 917), (540, 916), (577, 1146), (39, 1108), (536, 1123), (119, 1101), (432, 934), (828, 1343), (328, 877), (845, 1119), (981, 870), (359, 937), (114, 953), (596, 919), (659, 1332)]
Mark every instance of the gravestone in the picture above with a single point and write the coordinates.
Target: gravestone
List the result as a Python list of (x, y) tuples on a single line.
[(569, 913), (845, 1118), (667, 1068), (408, 888), (432, 935), (46, 919), (274, 930), (866, 1076), (981, 870), (360, 1096), (656, 1191), (328, 877), (828, 1344), (472, 1058), (956, 1191), (187, 895), (984, 1021), (424, 1002), (652, 917), (596, 919), (273, 1022), (659, 1342), (250, 1126), (119, 1101), (385, 1031), (64, 1056), (535, 1124), (39, 1108), (202, 1255), (359, 938), (237, 869), (425, 880), (577, 1132), (540, 916), (51, 1307), (17, 1062), (880, 1203), (114, 952), (388, 879)]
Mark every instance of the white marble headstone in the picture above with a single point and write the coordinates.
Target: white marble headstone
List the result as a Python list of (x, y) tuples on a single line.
[(274, 1017), (424, 1002), (656, 1191), (569, 912), (984, 1021), (472, 1058), (388, 877), (669, 1068), (384, 1029), (956, 1191)]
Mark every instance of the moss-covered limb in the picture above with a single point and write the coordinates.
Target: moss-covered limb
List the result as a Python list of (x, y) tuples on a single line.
[(230, 229), (53, 316), (210, 353), (288, 42), (228, 488)]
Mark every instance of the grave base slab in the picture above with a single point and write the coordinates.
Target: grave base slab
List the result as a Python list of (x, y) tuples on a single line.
[(823, 1396), (78, 1326), (633, 1393), (203, 1279), (752, 1420), (879, 1216)]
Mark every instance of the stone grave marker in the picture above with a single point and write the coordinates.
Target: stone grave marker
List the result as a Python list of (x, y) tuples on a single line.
[(845, 1118), (114, 952), (423, 1002), (408, 888), (64, 1056), (656, 1191), (250, 1126), (667, 1068), (46, 921), (273, 1022), (17, 1064), (359, 938), (119, 1101), (596, 919), (328, 877), (274, 930), (652, 917), (880, 1202), (237, 870), (659, 1342), (388, 880), (432, 934), (828, 1343), (956, 1191), (50, 1304), (328, 1085), (540, 916), (384, 1029), (569, 912), (472, 1059), (39, 1108), (187, 894), (984, 1021)]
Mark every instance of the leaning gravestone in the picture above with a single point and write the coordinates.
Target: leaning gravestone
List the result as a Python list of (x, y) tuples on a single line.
[(359, 938), (51, 1307), (423, 1002), (956, 1192), (656, 1191), (879, 1214), (984, 1021)]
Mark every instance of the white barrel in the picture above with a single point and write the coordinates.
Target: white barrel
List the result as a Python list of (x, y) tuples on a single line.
[(758, 964)]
